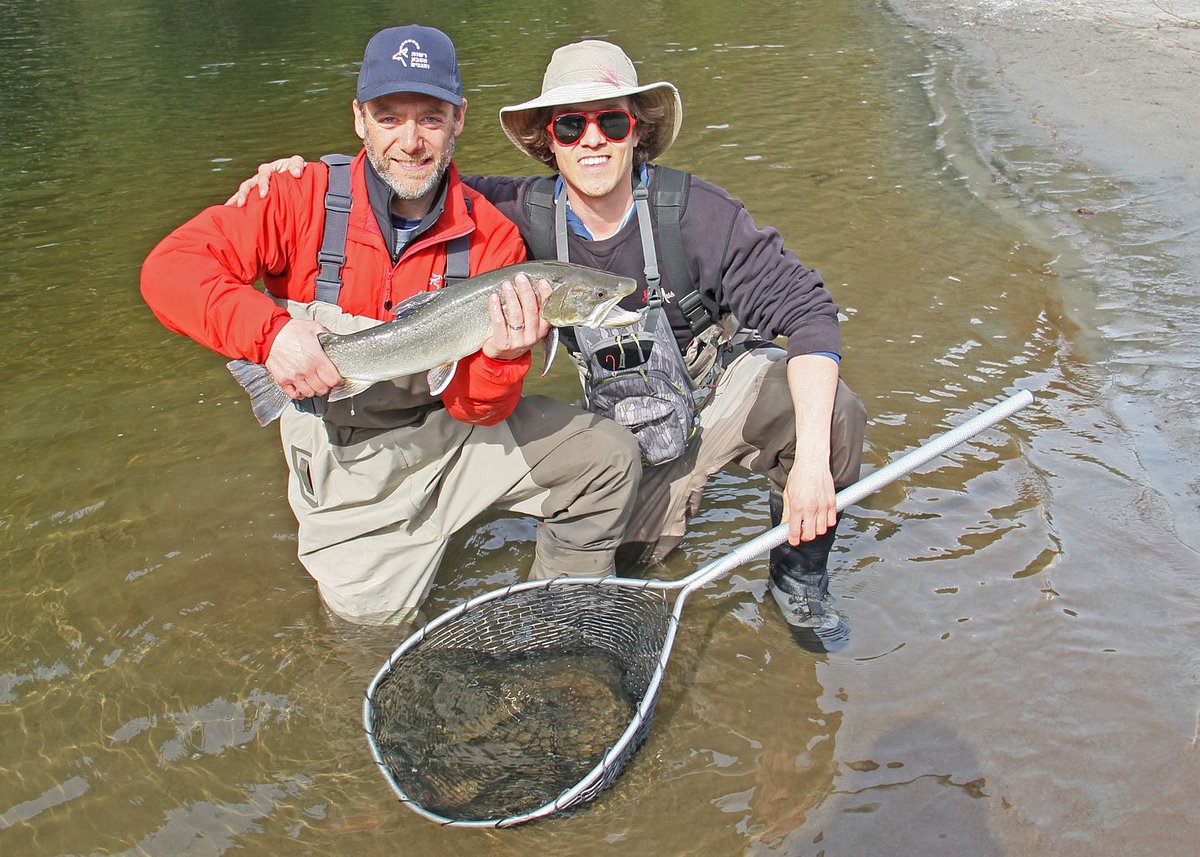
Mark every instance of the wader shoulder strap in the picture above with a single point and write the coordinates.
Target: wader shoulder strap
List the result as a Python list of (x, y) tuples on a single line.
[(668, 194), (667, 198), (458, 259), (539, 208), (646, 231), (458, 252), (332, 255)]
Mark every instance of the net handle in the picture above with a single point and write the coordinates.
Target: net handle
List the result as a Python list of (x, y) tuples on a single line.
[(866, 486)]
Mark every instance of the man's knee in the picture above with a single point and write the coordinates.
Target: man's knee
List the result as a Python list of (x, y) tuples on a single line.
[(591, 481), (603, 454), (848, 427)]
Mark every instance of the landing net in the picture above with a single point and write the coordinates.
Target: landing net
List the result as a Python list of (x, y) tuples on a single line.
[(529, 700), (522, 702)]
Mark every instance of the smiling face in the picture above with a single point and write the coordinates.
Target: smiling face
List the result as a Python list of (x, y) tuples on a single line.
[(409, 139), (596, 166)]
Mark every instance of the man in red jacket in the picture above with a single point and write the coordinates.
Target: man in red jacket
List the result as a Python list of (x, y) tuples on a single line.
[(380, 481)]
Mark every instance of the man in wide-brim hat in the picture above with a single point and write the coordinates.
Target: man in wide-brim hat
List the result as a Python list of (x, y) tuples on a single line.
[(779, 411), (784, 413), (594, 71)]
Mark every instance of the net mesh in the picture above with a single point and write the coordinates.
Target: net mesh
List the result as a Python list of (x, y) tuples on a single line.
[(495, 713)]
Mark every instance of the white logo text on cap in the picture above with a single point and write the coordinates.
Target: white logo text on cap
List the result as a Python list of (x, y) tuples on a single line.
[(410, 55)]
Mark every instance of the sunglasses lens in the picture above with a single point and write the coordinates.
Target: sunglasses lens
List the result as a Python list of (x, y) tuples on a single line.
[(614, 124), (569, 127)]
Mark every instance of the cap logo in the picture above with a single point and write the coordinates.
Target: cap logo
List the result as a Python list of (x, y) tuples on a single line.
[(410, 55)]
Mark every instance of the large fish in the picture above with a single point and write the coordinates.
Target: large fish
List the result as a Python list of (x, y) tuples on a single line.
[(432, 331)]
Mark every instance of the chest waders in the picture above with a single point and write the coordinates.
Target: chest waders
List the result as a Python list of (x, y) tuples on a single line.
[(331, 258), (665, 203), (637, 375)]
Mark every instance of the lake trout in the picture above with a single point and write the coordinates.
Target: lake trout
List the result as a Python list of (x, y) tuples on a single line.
[(432, 331)]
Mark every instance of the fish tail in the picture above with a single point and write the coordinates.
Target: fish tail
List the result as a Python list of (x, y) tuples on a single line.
[(267, 399)]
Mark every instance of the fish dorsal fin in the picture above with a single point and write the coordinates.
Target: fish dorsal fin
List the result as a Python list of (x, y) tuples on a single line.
[(408, 306), (440, 376)]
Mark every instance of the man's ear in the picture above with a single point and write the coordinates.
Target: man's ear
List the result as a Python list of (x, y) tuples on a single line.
[(360, 126), (460, 117)]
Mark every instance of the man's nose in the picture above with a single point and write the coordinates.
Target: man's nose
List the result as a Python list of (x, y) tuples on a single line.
[(592, 136), (408, 136)]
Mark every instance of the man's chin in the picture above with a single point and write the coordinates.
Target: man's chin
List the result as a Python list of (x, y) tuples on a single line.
[(412, 185), (596, 186)]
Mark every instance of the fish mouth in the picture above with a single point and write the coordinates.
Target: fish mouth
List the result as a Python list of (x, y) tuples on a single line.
[(617, 317), (608, 314)]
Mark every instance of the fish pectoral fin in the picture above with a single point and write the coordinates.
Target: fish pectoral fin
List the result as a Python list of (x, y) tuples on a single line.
[(349, 387), (440, 377), (549, 349)]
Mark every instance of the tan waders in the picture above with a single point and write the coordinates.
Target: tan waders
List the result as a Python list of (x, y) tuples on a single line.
[(376, 505)]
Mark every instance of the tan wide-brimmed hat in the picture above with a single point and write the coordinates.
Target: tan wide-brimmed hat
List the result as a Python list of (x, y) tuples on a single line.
[(593, 70)]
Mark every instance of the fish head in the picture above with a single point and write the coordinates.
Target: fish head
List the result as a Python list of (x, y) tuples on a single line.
[(585, 297)]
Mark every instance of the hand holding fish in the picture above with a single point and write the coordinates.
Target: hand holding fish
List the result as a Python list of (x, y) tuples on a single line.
[(515, 311), (298, 363), (499, 312)]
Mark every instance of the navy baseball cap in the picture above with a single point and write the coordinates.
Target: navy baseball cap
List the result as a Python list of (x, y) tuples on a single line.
[(410, 59)]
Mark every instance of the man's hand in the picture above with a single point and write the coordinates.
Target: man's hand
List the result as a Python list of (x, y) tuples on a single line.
[(298, 363), (262, 179), (809, 502), (516, 318)]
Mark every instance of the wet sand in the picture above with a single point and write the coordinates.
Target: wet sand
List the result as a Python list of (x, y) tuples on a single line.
[(1107, 88), (1112, 80)]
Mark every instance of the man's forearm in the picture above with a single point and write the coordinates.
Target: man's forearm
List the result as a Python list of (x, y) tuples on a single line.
[(812, 380)]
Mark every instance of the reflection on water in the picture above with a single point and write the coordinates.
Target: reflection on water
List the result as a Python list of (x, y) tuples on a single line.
[(168, 682)]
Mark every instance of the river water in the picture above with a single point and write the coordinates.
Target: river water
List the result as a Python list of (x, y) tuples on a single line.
[(1022, 676)]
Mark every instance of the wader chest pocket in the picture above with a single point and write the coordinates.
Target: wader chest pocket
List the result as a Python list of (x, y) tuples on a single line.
[(302, 467)]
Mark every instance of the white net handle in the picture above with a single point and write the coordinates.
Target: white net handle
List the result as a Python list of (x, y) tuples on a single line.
[(866, 486)]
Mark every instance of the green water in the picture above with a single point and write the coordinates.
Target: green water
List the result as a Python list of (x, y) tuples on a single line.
[(168, 683)]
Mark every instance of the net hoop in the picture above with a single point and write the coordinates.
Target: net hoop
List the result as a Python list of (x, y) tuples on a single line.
[(605, 771)]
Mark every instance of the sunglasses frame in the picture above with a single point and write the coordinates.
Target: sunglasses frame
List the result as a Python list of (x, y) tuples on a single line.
[(591, 117)]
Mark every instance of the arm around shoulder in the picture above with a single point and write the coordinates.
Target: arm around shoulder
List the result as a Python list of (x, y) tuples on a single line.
[(199, 280)]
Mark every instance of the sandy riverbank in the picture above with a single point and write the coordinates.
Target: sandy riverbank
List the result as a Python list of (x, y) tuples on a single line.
[(1095, 103), (1113, 81)]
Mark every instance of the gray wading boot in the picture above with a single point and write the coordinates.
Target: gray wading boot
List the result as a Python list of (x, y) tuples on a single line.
[(800, 586)]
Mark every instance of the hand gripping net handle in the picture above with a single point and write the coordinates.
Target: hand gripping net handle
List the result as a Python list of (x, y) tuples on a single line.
[(866, 486), (776, 536)]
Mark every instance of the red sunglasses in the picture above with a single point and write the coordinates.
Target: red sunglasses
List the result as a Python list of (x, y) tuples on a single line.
[(615, 123)]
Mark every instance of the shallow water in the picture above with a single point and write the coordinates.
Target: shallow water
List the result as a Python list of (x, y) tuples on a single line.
[(1022, 673)]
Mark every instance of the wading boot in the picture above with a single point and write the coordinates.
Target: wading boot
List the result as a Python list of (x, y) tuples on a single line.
[(800, 586)]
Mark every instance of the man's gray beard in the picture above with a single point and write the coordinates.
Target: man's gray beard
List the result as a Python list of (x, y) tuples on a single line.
[(402, 191)]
